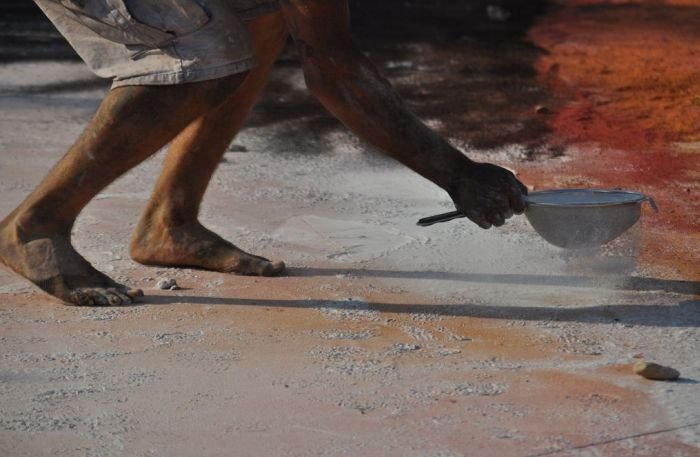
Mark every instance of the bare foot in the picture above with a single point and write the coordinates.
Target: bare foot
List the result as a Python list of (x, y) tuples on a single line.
[(54, 266), (195, 246)]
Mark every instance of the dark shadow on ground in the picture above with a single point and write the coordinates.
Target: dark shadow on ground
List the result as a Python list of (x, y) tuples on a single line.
[(685, 314), (633, 283), (60, 87), (26, 34)]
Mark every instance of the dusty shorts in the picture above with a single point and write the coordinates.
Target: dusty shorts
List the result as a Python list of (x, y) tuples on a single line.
[(151, 42)]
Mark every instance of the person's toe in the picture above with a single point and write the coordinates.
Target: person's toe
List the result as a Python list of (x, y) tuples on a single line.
[(99, 296), (125, 299), (247, 264), (133, 294), (271, 268), (80, 298), (117, 298), (261, 266)]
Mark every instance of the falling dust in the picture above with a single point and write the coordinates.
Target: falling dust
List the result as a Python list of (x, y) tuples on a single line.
[(626, 108)]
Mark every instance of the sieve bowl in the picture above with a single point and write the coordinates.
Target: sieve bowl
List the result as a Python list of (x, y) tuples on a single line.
[(583, 218)]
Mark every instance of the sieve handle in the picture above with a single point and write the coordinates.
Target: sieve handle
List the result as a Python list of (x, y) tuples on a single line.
[(444, 217)]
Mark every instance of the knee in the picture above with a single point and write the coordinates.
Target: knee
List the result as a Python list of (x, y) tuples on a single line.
[(331, 75)]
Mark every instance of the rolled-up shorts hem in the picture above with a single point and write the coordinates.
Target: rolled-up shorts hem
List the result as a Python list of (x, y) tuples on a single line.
[(132, 46), (188, 76), (204, 74)]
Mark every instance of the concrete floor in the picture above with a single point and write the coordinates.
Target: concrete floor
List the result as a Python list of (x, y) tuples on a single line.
[(384, 338)]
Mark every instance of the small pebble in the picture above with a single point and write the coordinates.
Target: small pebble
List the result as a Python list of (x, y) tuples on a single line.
[(655, 371), (166, 284), (238, 148)]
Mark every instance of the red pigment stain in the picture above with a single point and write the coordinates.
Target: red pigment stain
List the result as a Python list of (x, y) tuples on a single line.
[(625, 80)]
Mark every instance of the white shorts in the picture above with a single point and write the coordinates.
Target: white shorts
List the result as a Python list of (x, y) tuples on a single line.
[(154, 42)]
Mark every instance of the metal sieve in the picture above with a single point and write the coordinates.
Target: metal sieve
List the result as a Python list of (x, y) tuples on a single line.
[(576, 218)]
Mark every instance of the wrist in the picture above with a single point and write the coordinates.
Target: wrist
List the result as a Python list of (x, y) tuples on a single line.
[(455, 173)]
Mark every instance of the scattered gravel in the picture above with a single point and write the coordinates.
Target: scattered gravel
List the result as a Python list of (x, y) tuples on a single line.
[(347, 335), (167, 284)]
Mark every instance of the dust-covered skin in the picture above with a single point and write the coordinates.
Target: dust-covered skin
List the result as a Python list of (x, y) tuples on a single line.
[(131, 124), (54, 266), (352, 89), (480, 195), (169, 233), (196, 246)]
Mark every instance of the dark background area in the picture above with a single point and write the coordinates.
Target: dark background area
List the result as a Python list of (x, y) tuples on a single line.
[(27, 34), (466, 63)]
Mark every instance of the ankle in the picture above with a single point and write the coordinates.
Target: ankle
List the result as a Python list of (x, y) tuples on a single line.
[(161, 215), (167, 215), (34, 223)]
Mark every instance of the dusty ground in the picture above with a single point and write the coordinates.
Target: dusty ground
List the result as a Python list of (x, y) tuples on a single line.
[(385, 338)]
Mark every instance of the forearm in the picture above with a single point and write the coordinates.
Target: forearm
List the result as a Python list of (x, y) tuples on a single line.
[(350, 87)]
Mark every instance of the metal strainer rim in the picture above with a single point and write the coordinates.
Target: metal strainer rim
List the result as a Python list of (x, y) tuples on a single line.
[(638, 198)]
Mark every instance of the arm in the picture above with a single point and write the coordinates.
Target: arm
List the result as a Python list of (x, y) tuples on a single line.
[(352, 89)]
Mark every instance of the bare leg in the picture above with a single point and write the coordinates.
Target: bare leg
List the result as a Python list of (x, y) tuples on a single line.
[(169, 233), (131, 124)]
